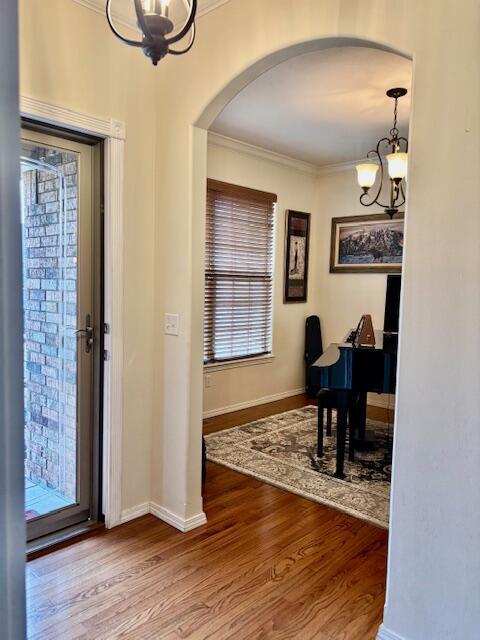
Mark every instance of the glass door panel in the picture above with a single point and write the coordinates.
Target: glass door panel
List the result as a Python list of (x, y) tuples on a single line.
[(57, 204)]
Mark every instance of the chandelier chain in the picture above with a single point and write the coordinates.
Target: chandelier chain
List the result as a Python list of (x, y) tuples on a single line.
[(394, 130)]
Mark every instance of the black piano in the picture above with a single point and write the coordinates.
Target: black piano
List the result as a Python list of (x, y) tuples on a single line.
[(353, 371)]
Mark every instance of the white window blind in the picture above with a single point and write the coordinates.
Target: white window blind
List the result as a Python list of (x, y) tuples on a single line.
[(238, 272)]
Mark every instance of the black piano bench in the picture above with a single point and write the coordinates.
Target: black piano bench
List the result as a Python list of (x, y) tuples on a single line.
[(327, 399)]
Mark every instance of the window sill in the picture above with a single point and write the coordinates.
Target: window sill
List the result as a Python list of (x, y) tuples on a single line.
[(235, 364)]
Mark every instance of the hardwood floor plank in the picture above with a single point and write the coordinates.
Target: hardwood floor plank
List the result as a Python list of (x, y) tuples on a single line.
[(309, 569), (263, 538), (268, 565)]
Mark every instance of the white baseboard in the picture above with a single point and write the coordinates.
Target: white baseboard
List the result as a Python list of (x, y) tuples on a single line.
[(386, 634), (176, 521), (252, 403), (163, 514), (135, 512), (374, 399)]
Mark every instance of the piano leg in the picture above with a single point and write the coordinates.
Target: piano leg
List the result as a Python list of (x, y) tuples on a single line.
[(363, 440), (342, 413), (320, 432), (352, 425), (329, 422), (362, 414), (356, 422)]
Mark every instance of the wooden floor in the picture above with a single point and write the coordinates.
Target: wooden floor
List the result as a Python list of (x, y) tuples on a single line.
[(225, 421), (268, 564)]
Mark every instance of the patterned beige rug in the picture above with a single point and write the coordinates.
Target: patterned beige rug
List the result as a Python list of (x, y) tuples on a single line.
[(281, 450)]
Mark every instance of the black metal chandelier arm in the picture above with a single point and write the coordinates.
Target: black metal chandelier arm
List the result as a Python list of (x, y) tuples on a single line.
[(132, 43), (187, 26), (187, 48), (375, 153), (380, 161), (402, 139), (369, 204), (141, 20)]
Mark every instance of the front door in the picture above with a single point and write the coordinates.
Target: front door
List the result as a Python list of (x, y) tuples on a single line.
[(59, 194)]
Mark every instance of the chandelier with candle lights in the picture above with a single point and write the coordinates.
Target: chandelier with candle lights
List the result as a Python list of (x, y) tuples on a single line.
[(154, 22), (397, 162)]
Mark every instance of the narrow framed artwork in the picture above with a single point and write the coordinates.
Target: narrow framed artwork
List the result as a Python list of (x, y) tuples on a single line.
[(367, 244), (297, 239)]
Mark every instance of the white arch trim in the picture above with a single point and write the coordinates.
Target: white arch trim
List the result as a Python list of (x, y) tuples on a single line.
[(255, 70)]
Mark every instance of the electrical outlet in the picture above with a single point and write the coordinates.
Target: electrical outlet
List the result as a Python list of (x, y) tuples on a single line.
[(208, 381), (171, 324)]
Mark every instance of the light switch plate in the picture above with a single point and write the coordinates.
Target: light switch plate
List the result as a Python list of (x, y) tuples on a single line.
[(171, 324)]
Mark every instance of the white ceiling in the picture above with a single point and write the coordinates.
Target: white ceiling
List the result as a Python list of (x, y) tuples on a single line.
[(325, 107)]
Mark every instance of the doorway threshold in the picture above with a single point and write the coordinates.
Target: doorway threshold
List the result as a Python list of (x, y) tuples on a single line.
[(63, 538)]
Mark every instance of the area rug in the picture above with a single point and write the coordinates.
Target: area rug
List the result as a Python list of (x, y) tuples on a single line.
[(281, 450)]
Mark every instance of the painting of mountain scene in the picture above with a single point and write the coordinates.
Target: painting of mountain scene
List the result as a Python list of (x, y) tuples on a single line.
[(367, 243)]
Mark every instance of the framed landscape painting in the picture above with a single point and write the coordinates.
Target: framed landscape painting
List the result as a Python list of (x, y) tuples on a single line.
[(372, 244), (296, 256)]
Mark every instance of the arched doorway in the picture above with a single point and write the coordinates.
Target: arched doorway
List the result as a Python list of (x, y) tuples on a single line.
[(199, 176), (199, 155)]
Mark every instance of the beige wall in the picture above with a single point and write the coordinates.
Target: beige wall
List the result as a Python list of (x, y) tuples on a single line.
[(295, 189), (69, 58), (431, 593), (345, 297), (338, 298)]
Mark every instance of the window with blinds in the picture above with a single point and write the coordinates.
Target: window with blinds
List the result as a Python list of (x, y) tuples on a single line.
[(238, 272)]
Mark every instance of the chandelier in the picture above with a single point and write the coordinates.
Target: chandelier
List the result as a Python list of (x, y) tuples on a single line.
[(397, 162), (155, 25)]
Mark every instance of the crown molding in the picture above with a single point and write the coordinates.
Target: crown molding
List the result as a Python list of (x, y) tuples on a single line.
[(99, 7), (120, 18), (210, 5), (265, 154), (327, 169), (259, 152)]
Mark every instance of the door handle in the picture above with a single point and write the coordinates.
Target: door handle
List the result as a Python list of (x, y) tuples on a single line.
[(86, 333)]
